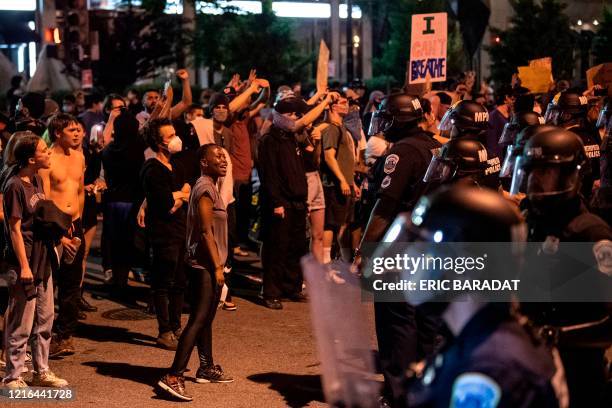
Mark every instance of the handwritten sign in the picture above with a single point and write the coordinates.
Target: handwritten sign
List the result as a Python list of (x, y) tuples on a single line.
[(535, 78), (322, 66), (600, 75), (428, 48)]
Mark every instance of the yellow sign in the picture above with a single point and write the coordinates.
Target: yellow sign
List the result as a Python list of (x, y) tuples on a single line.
[(600, 75), (535, 78)]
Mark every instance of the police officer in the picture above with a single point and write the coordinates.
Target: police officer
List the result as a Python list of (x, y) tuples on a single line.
[(490, 360), (470, 120), (569, 110), (601, 203), (518, 122), (404, 334), (459, 161), (516, 148), (550, 170)]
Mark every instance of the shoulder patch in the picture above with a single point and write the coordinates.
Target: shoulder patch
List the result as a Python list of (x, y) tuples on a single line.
[(386, 182), (603, 254), (475, 390), (390, 163)]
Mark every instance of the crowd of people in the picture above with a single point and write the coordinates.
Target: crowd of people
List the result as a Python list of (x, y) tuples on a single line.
[(175, 185)]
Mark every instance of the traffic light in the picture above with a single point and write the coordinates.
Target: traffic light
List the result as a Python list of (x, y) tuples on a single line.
[(75, 28)]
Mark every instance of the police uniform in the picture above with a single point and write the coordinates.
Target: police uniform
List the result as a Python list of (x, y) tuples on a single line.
[(592, 141), (472, 372), (404, 333), (582, 331), (404, 167)]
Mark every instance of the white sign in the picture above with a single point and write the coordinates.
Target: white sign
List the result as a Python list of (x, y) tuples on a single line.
[(428, 48)]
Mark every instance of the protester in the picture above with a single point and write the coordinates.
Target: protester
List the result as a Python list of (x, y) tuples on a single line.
[(64, 185), (30, 311), (122, 160), (206, 256), (166, 193)]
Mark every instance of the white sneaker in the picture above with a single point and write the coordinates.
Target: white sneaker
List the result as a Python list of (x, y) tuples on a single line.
[(48, 379)]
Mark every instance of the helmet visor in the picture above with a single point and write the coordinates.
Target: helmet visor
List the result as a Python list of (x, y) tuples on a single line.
[(509, 133), (519, 176), (509, 161), (551, 180), (446, 123), (552, 114), (439, 170), (380, 123), (604, 120)]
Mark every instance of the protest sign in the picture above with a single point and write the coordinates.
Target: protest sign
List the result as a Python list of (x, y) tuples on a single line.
[(322, 66), (428, 48)]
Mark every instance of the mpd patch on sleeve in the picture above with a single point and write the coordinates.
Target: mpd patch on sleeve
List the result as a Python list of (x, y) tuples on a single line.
[(603, 254), (475, 390), (386, 182), (390, 163)]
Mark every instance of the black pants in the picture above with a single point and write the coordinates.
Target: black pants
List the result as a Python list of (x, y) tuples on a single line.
[(198, 331), (405, 335), (585, 372), (168, 283), (243, 193), (68, 282), (118, 232), (284, 244)]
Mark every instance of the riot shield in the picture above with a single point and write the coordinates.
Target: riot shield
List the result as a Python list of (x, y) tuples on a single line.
[(343, 341)]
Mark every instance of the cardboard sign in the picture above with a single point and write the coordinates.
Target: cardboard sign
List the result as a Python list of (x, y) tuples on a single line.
[(537, 79), (322, 66), (428, 48), (600, 75)]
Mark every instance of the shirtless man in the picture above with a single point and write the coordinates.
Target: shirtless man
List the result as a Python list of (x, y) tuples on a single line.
[(64, 185)]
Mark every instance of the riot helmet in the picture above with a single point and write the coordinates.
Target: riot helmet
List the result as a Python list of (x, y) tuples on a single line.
[(465, 118), (551, 168), (516, 149), (397, 112), (566, 108), (518, 122), (458, 159)]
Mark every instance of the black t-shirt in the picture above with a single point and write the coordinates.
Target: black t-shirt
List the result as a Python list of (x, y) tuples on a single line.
[(122, 164), (404, 168), (158, 184), (19, 201)]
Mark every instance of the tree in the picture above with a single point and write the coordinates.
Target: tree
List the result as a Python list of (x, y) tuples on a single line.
[(602, 42), (238, 42), (537, 30)]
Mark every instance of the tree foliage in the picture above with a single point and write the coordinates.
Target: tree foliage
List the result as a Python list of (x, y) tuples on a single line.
[(538, 29), (234, 42), (602, 42)]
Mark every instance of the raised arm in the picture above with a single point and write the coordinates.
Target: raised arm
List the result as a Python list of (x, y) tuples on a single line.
[(315, 112), (178, 109), (240, 100)]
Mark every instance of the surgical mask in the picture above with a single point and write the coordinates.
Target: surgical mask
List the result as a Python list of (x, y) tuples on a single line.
[(175, 145), (220, 115), (281, 121)]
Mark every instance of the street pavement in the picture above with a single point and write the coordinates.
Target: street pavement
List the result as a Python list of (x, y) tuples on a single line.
[(271, 354)]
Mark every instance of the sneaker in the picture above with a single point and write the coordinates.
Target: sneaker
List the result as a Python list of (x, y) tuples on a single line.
[(298, 297), (273, 304), (229, 306), (212, 374), (240, 252), (61, 347), (47, 379), (175, 386), (108, 276), (167, 341), (177, 333), (16, 383)]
